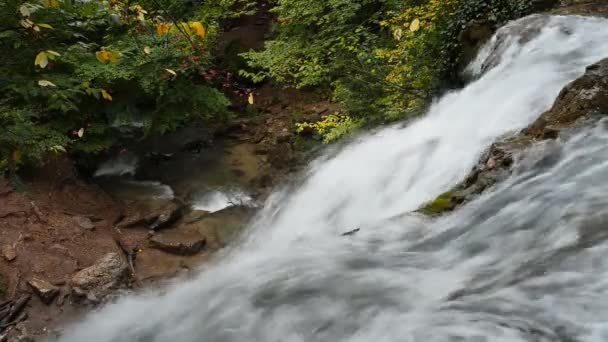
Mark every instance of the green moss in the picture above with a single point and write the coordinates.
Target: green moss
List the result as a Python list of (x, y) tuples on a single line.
[(444, 203)]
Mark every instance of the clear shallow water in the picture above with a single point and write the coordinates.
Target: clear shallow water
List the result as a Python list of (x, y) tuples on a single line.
[(525, 262)]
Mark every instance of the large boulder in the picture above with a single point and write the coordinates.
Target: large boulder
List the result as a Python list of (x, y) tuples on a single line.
[(95, 282)]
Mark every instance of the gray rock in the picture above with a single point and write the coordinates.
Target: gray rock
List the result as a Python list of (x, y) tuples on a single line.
[(97, 281), (8, 252), (45, 290)]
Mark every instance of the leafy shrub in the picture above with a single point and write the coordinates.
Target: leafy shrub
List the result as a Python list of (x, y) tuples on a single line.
[(383, 60), (71, 70)]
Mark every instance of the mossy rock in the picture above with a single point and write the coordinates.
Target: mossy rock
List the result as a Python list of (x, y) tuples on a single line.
[(3, 286), (446, 202)]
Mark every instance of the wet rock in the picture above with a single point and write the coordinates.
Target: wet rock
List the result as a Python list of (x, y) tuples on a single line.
[(167, 217), (194, 215), (8, 252), (583, 97), (84, 222), (97, 281), (178, 242), (156, 220), (221, 227), (45, 290)]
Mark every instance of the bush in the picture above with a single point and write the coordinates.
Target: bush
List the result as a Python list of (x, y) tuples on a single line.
[(383, 60), (72, 71)]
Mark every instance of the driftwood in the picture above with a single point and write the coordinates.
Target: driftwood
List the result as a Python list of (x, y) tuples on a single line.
[(351, 232), (12, 312)]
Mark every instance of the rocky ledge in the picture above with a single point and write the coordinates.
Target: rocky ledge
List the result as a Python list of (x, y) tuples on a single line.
[(580, 103)]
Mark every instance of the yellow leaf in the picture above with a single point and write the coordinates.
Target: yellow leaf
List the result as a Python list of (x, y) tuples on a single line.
[(162, 29), (198, 28), (184, 28), (114, 57), (46, 26), (54, 53), (250, 99), (51, 3), (25, 12), (45, 83), (415, 25), (106, 95), (41, 60), (397, 34), (81, 132), (171, 72), (147, 50), (102, 56), (17, 156)]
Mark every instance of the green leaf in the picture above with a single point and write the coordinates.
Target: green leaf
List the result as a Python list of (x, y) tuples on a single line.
[(46, 26)]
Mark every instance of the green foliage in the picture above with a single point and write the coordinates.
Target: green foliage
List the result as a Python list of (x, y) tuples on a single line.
[(70, 70), (383, 60), (331, 128)]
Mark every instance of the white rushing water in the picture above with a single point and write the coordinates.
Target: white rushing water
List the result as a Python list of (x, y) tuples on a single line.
[(506, 267), (216, 200)]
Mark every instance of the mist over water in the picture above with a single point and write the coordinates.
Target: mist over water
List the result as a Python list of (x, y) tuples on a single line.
[(525, 262)]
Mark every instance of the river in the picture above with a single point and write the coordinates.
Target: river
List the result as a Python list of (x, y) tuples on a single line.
[(524, 262)]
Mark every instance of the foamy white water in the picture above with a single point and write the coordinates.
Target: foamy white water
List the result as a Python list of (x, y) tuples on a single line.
[(470, 276), (121, 165), (217, 200)]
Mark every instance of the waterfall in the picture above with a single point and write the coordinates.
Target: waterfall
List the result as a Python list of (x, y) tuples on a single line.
[(506, 267)]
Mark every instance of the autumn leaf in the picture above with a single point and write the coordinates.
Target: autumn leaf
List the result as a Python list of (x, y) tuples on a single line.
[(398, 34), (17, 156), (415, 25), (45, 83), (250, 99), (171, 72), (184, 27), (147, 50), (41, 60), (102, 56), (51, 3), (114, 57), (106, 95), (80, 132), (162, 29), (198, 28), (52, 55)]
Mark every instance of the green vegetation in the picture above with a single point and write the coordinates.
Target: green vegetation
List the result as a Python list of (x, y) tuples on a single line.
[(72, 72), (383, 60), (444, 203)]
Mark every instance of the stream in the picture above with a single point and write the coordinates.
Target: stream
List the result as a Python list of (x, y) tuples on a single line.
[(523, 262)]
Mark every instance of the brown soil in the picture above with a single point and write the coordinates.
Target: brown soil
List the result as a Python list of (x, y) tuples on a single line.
[(41, 225)]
